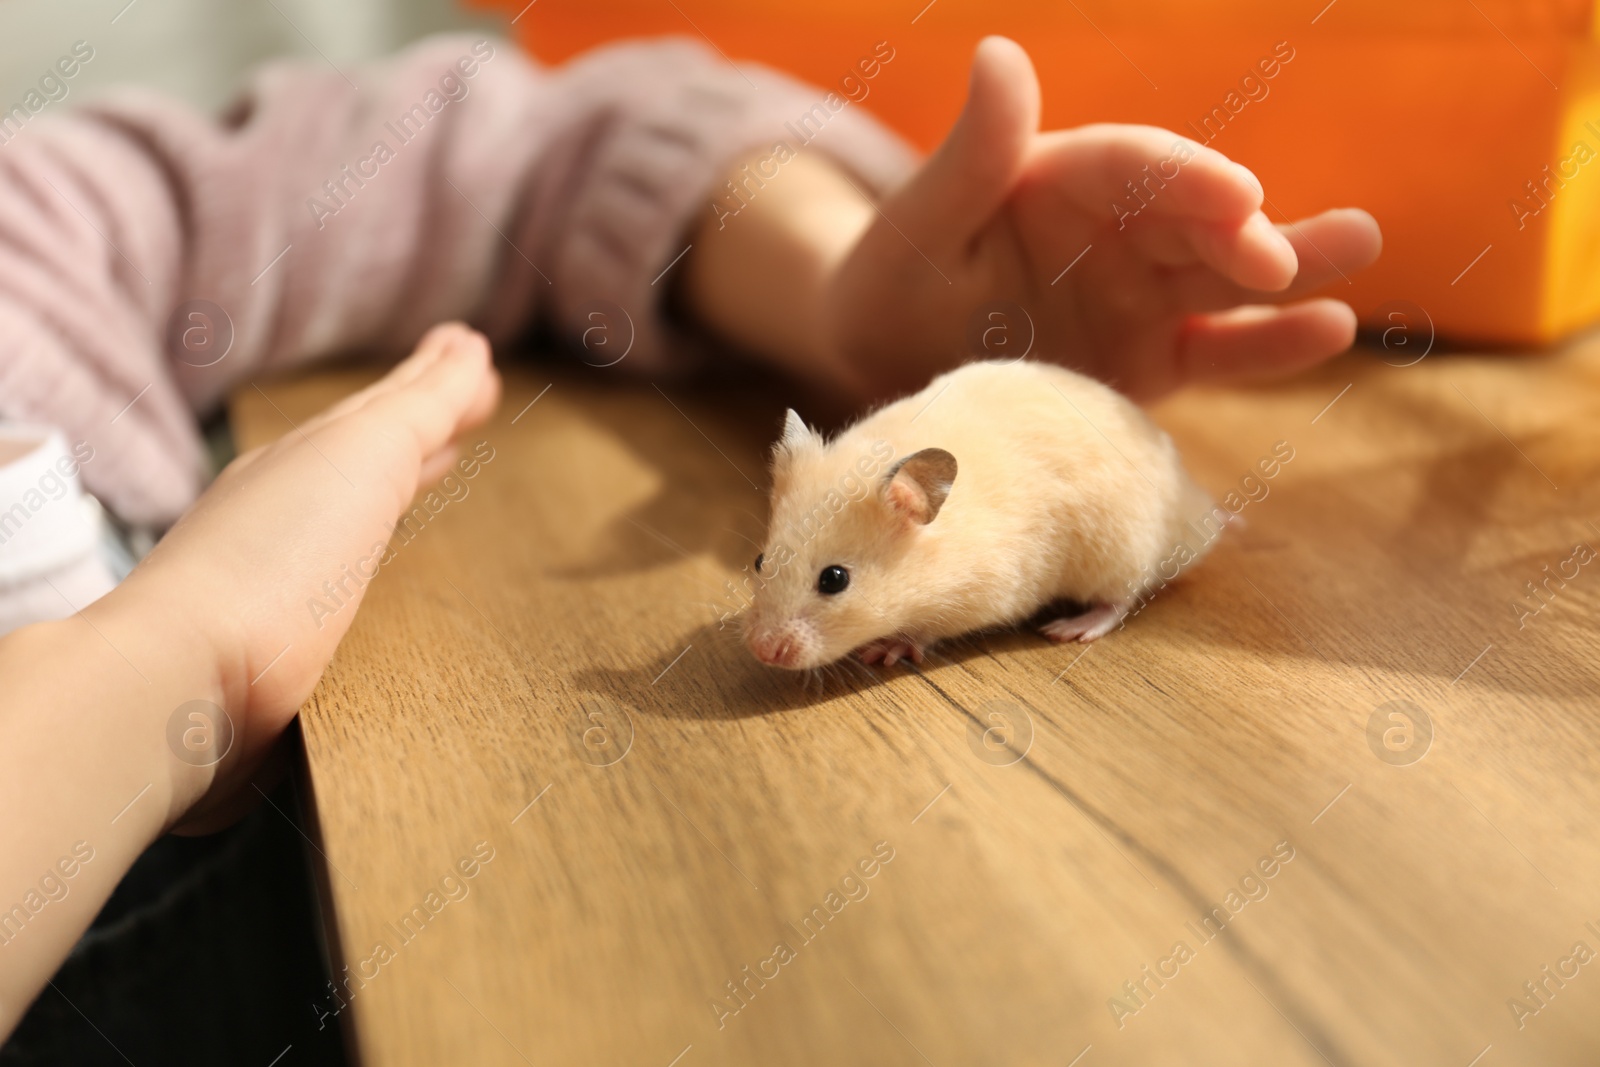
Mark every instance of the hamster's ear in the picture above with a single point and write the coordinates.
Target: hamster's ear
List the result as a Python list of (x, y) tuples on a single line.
[(797, 439), (795, 431), (917, 486), (796, 436)]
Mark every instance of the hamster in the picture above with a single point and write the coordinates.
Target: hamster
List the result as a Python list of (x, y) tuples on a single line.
[(1000, 489)]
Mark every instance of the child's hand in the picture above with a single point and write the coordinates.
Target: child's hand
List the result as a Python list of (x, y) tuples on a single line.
[(217, 613), (870, 300), (235, 575), (1170, 295)]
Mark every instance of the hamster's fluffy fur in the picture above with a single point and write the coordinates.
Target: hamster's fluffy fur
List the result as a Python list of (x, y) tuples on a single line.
[(1060, 489)]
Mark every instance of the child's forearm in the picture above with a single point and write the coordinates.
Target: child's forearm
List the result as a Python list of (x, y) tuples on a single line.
[(460, 179), (112, 727), (89, 778), (872, 299), (757, 277)]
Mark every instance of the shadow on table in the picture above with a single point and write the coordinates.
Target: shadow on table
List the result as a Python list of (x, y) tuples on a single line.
[(1351, 552), (718, 679)]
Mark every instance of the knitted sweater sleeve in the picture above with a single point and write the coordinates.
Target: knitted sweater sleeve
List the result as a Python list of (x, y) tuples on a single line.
[(152, 260)]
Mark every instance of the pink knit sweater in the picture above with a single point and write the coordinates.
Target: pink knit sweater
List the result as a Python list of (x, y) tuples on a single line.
[(318, 216)]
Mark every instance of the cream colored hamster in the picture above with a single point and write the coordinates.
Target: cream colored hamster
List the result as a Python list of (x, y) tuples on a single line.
[(999, 489)]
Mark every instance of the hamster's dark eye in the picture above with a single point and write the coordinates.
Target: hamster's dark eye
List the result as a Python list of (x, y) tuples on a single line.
[(834, 579), (759, 558)]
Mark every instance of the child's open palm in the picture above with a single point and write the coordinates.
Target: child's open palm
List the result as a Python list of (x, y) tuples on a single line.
[(1185, 280)]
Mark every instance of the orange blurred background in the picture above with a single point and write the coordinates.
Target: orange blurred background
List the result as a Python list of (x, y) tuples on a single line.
[(1438, 116)]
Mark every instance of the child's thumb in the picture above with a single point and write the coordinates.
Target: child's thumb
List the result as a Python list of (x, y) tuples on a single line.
[(972, 172)]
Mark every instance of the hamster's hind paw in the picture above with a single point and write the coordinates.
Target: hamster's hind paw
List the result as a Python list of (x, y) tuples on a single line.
[(1089, 626), (891, 650)]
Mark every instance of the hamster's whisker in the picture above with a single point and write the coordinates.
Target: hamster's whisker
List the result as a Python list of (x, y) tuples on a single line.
[(857, 666), (761, 523), (743, 536), (810, 676)]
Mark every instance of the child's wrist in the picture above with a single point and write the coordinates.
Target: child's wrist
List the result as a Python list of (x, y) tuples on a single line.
[(177, 728), (67, 715), (762, 278)]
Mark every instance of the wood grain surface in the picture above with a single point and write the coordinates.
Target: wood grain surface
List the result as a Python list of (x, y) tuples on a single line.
[(541, 674)]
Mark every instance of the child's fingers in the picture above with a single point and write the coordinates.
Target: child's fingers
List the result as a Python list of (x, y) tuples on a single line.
[(1261, 341), (404, 373), (1254, 255), (378, 440), (1328, 247), (437, 395), (1175, 203), (1331, 245), (429, 348), (1138, 173), (970, 175)]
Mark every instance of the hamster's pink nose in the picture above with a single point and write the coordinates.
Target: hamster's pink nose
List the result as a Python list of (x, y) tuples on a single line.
[(775, 649)]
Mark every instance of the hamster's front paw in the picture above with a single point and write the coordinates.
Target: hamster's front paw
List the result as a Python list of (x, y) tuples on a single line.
[(891, 650), (1089, 626)]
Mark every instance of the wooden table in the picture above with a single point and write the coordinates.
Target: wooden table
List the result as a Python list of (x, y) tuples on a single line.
[(542, 670)]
